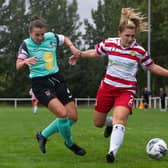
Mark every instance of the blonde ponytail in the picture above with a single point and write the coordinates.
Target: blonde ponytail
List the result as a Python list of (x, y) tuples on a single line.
[(132, 19)]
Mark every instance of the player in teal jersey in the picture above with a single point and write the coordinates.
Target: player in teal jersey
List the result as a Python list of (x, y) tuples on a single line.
[(38, 52)]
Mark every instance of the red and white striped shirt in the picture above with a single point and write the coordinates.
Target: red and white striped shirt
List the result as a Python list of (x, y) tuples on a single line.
[(123, 63)]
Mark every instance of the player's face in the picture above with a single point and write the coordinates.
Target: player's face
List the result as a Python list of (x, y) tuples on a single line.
[(127, 37), (37, 34)]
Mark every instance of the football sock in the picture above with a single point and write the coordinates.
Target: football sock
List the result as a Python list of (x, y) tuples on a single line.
[(53, 128), (117, 137), (50, 129), (65, 131), (71, 122), (108, 121)]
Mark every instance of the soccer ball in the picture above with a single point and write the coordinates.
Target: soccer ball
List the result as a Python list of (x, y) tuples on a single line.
[(156, 148)]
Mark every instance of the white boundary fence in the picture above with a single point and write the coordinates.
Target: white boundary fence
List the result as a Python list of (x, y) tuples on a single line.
[(154, 102), (14, 100)]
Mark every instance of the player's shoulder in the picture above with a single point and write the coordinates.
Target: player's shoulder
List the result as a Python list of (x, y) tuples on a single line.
[(23, 47), (138, 46), (49, 35)]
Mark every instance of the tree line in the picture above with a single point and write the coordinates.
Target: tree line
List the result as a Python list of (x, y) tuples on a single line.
[(63, 18)]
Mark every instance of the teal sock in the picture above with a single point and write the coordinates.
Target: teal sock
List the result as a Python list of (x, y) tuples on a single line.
[(50, 129), (71, 122), (65, 130)]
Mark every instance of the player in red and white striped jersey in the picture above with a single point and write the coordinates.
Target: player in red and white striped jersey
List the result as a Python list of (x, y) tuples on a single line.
[(118, 87)]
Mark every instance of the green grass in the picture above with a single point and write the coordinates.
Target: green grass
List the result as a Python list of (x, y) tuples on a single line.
[(18, 146)]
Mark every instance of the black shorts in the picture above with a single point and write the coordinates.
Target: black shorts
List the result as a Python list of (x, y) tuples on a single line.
[(49, 87)]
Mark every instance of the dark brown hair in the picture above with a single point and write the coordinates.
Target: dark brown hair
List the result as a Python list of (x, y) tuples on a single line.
[(37, 22)]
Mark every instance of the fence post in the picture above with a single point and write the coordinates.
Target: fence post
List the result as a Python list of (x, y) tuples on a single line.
[(88, 101), (166, 104), (76, 102), (15, 103), (150, 102)]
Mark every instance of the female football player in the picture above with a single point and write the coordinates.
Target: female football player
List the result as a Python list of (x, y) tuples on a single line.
[(38, 52), (118, 86), (34, 101)]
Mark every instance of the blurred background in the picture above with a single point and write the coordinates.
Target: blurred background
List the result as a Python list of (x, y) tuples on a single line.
[(86, 23)]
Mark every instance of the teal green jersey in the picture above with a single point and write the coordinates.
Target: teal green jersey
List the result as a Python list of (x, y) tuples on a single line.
[(45, 54)]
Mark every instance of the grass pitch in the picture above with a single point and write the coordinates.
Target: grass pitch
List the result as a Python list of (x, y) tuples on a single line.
[(19, 149)]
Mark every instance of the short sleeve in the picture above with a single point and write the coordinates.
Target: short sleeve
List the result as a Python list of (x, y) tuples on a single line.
[(60, 39), (100, 48), (23, 52), (146, 61)]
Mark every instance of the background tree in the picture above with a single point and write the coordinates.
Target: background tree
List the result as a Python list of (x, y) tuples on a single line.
[(159, 41), (105, 24), (13, 28), (159, 34), (62, 17)]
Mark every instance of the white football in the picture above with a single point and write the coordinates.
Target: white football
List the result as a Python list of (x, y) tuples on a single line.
[(156, 148)]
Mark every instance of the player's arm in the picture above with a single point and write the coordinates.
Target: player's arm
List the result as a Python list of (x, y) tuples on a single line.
[(20, 63), (22, 58), (89, 54), (84, 54), (156, 69), (69, 44)]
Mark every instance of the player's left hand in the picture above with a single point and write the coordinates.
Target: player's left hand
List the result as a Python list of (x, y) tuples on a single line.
[(73, 60), (75, 51)]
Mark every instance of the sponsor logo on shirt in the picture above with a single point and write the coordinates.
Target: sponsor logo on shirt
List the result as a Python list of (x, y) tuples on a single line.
[(117, 62)]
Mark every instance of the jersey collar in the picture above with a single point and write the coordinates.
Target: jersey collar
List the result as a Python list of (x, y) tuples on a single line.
[(131, 46)]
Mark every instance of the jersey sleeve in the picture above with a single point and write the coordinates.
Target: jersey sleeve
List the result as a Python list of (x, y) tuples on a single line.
[(101, 48), (23, 52), (60, 39), (146, 61)]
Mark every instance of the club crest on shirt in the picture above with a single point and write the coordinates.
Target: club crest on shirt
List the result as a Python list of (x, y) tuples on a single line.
[(133, 53), (51, 44), (47, 93)]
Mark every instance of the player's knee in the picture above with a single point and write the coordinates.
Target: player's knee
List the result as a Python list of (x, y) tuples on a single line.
[(121, 122), (73, 118), (61, 114), (98, 123)]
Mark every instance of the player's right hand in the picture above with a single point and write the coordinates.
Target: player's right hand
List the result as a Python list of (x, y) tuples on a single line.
[(30, 61)]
